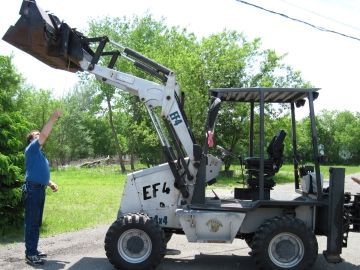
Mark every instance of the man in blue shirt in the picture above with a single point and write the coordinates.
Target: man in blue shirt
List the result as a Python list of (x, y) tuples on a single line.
[(37, 177)]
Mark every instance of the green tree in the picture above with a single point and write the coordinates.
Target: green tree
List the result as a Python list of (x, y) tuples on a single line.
[(338, 132), (103, 98), (13, 128), (74, 133)]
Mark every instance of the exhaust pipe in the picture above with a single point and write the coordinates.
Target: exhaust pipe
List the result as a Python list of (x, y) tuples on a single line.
[(45, 37)]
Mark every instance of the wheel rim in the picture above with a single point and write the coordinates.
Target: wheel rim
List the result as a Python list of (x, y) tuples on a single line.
[(286, 250), (134, 246)]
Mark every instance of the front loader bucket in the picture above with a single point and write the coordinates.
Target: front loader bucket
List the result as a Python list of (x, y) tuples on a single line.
[(45, 37)]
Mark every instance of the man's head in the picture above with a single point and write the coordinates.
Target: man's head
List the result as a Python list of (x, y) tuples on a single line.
[(33, 135)]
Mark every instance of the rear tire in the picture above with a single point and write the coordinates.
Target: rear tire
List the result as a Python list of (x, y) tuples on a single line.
[(135, 242), (284, 243)]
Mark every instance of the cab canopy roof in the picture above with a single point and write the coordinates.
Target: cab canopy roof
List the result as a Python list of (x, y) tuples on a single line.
[(275, 95)]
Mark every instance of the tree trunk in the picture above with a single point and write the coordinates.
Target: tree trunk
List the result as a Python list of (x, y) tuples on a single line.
[(132, 159), (228, 160), (227, 164), (117, 143)]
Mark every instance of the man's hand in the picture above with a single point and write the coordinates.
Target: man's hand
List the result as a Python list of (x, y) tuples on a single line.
[(56, 114), (54, 187)]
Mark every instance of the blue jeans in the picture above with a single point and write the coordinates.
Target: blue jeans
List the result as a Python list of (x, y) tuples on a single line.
[(34, 206)]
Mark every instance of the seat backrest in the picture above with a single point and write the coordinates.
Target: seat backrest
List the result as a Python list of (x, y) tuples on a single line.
[(275, 149)]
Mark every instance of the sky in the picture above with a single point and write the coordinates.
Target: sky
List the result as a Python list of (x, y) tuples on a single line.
[(329, 61)]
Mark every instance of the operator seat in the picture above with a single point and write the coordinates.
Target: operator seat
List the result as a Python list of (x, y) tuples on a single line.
[(272, 164)]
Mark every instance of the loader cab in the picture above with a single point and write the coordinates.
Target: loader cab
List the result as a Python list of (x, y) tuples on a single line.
[(264, 159)]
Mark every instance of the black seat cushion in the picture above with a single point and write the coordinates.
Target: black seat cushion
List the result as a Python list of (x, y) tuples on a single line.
[(253, 163), (274, 161)]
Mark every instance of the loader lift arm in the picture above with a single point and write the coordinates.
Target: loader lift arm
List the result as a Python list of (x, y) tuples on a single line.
[(152, 95), (53, 42)]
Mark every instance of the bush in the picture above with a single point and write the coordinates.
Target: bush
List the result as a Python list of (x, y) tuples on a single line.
[(11, 170)]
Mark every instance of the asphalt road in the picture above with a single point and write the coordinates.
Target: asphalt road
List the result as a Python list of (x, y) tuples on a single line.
[(84, 250)]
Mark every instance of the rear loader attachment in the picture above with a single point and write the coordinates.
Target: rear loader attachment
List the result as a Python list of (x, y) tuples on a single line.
[(45, 37)]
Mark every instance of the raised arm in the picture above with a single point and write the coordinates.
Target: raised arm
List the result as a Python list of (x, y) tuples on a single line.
[(48, 127)]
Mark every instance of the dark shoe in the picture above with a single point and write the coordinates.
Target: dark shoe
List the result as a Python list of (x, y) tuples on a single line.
[(41, 254), (34, 260)]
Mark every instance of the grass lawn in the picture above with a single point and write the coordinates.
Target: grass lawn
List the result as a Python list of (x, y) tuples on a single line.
[(86, 197)]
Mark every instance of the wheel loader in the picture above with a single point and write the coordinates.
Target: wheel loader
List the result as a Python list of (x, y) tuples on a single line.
[(171, 198)]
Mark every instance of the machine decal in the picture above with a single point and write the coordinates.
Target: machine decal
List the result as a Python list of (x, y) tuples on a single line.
[(214, 225), (148, 194), (175, 118), (161, 220)]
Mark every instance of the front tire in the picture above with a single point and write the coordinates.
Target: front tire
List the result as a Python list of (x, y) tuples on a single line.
[(284, 243), (135, 242)]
